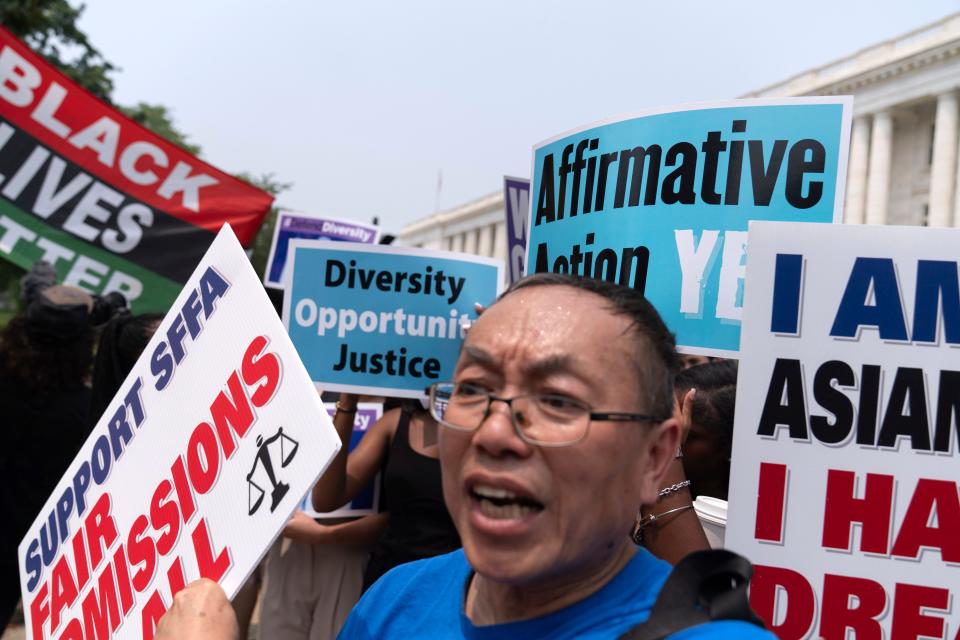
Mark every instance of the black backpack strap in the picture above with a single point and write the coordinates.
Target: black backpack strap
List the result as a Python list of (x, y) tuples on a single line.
[(704, 586)]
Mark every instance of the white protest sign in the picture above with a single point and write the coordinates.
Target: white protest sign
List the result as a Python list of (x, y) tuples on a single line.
[(845, 461), (193, 470)]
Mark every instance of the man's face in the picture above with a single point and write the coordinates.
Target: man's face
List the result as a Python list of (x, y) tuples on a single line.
[(537, 516)]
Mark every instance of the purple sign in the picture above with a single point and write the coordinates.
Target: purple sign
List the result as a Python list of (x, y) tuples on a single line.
[(516, 195), (368, 500), (298, 225)]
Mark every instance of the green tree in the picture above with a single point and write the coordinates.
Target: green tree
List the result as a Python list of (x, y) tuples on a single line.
[(157, 118), (261, 242), (50, 28)]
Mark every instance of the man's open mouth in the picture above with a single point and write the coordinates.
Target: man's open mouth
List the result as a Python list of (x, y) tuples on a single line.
[(501, 504)]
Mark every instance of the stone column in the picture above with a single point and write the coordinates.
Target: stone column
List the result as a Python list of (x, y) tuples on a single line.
[(944, 169), (857, 171), (500, 241), (486, 241), (878, 179)]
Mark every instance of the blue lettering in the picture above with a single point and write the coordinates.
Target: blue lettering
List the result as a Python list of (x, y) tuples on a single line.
[(191, 314), (787, 280), (161, 366), (81, 480), (936, 281), (212, 287), (176, 332), (877, 275), (33, 565)]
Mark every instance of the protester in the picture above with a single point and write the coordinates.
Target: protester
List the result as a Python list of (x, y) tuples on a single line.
[(709, 414), (45, 357), (557, 424), (404, 444), (314, 576), (122, 340)]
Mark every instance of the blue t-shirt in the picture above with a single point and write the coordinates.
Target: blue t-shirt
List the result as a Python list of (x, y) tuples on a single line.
[(424, 599)]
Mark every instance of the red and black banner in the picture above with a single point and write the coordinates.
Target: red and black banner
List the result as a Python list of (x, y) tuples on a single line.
[(112, 205)]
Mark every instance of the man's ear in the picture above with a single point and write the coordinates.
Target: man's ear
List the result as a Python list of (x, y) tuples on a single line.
[(661, 449)]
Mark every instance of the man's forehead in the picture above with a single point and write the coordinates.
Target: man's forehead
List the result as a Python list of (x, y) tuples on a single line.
[(552, 323)]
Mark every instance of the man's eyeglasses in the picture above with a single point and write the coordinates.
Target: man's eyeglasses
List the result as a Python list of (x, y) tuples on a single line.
[(543, 419)]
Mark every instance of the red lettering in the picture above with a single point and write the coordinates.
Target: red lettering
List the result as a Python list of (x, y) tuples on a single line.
[(39, 611), (843, 509), (101, 530), (142, 551), (164, 514), (99, 612), (909, 618), (210, 567), (203, 458), (939, 497), (152, 611), (175, 577), (184, 494), (767, 581), (231, 412), (64, 591), (266, 368), (80, 559), (73, 631), (124, 586), (838, 615), (771, 497)]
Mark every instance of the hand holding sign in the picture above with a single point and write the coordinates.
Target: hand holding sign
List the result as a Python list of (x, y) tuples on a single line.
[(200, 612)]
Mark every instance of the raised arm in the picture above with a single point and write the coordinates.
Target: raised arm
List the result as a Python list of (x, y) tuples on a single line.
[(349, 473)]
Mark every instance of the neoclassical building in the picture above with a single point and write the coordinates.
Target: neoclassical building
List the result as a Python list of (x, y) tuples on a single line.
[(903, 148), (902, 168)]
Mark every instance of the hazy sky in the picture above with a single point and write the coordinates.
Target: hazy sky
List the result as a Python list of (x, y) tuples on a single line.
[(360, 104)]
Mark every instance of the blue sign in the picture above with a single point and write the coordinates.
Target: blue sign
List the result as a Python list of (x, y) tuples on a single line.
[(661, 202), (297, 225), (368, 500), (383, 320)]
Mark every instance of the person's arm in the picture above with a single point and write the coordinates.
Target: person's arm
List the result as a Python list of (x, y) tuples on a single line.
[(349, 473), (679, 533), (200, 611), (362, 532)]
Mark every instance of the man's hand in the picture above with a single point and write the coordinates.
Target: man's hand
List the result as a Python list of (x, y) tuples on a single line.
[(200, 611)]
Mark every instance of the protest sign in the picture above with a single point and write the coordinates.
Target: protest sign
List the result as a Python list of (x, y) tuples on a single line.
[(192, 471), (292, 225), (111, 205), (660, 201), (516, 197), (844, 475), (368, 501), (383, 320)]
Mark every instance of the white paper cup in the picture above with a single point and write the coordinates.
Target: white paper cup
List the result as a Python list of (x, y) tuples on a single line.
[(713, 517)]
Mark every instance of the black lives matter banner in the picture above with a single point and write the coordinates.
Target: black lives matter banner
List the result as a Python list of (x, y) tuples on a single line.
[(113, 206)]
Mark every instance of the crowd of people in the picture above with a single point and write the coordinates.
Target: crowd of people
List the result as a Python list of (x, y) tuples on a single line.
[(545, 491)]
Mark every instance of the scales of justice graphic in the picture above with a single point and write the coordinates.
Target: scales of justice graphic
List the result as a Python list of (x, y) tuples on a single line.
[(263, 467)]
